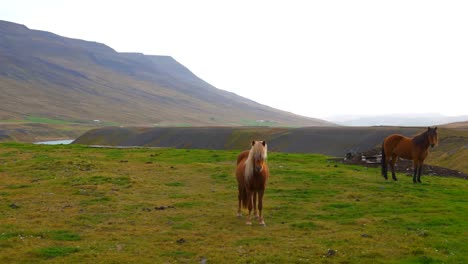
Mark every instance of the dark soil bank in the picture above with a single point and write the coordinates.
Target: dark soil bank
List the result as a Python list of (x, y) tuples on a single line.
[(333, 141)]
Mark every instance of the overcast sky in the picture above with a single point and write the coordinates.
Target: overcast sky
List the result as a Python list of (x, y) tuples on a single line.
[(314, 58)]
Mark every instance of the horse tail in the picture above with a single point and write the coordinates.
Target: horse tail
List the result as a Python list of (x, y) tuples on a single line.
[(243, 195), (384, 161)]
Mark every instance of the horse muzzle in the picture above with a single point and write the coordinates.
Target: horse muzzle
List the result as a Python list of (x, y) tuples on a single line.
[(258, 168), (432, 145)]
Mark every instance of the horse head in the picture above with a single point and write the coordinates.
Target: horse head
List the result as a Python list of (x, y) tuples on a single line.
[(259, 149), (432, 136)]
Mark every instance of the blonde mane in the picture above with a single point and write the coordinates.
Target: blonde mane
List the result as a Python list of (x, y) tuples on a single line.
[(257, 150)]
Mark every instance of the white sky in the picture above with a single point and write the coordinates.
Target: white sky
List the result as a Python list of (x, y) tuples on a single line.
[(314, 58)]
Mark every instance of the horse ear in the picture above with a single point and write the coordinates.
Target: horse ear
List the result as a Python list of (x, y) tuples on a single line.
[(428, 128), (435, 128), (264, 143), (253, 142)]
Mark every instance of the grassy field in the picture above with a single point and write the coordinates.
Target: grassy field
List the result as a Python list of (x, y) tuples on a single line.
[(74, 204), (55, 121)]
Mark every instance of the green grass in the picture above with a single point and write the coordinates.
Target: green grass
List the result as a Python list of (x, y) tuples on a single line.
[(5, 236), (76, 204), (64, 235), (248, 122), (109, 123), (175, 184), (52, 252), (45, 120), (12, 121), (178, 254), (304, 225), (50, 121)]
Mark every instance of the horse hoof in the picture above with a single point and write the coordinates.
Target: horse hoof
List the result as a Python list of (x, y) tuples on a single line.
[(248, 223), (239, 215), (262, 223)]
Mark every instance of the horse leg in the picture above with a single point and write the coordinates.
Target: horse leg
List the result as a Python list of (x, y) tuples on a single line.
[(415, 170), (260, 207), (239, 197), (420, 172), (392, 166), (249, 206), (255, 204), (384, 167)]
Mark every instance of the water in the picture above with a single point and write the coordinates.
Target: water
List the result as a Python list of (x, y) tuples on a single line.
[(56, 142)]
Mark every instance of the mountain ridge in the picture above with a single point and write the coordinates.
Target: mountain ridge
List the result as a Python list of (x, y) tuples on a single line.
[(427, 119), (48, 75)]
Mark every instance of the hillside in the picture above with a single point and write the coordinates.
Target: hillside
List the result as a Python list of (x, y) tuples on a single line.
[(43, 75), (334, 141), (75, 204), (457, 125), (33, 132), (397, 120), (451, 152)]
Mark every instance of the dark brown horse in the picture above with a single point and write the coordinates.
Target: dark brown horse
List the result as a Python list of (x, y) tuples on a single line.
[(415, 149), (252, 174)]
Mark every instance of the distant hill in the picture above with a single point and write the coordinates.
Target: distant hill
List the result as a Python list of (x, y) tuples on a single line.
[(397, 120), (334, 141), (43, 75), (457, 125), (451, 152)]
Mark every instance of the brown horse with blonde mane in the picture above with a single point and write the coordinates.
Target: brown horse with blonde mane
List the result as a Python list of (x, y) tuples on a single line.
[(252, 174), (415, 149)]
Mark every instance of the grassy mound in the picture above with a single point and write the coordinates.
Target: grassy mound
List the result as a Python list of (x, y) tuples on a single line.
[(70, 204)]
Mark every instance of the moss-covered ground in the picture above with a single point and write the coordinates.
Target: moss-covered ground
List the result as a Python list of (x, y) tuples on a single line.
[(75, 204)]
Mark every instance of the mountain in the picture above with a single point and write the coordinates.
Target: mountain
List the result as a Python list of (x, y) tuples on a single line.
[(428, 119), (43, 75)]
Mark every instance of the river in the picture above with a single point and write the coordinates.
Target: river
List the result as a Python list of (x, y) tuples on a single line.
[(55, 142)]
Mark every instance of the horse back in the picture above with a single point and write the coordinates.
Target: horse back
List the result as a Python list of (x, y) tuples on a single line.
[(398, 145), (240, 170), (242, 156)]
